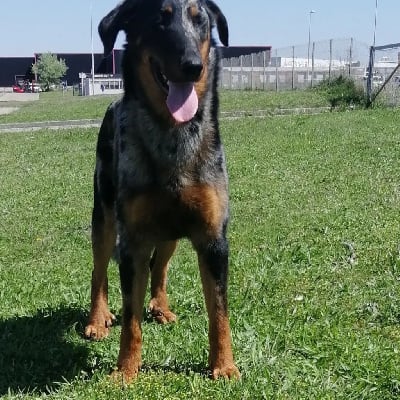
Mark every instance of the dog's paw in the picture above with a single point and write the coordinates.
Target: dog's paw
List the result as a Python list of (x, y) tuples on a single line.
[(126, 371), (123, 377), (227, 372), (163, 317), (96, 332), (161, 314), (98, 327)]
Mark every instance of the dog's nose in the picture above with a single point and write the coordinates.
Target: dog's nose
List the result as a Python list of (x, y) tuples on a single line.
[(192, 69)]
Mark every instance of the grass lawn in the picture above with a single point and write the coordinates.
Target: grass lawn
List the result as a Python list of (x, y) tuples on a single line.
[(315, 268), (54, 106)]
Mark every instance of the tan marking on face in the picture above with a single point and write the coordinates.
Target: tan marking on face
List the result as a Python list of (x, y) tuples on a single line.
[(154, 94), (168, 9), (201, 85), (194, 11)]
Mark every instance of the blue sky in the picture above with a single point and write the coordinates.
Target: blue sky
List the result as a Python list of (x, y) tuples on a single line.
[(63, 26)]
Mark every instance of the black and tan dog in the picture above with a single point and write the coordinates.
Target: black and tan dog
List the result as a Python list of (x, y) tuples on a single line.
[(160, 172)]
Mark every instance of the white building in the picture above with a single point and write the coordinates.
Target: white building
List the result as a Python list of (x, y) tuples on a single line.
[(101, 84)]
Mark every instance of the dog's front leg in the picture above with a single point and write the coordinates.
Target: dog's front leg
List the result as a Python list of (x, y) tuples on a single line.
[(103, 242), (213, 263), (159, 307), (134, 271)]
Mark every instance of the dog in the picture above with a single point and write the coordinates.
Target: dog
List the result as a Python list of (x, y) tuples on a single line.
[(160, 172)]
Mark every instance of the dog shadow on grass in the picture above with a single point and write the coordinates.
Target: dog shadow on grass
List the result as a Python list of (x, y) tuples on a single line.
[(36, 353), (40, 352)]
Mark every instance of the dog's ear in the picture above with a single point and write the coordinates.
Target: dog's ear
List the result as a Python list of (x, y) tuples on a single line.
[(114, 22), (220, 20)]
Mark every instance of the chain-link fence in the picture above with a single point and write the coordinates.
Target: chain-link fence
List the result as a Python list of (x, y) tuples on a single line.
[(384, 82), (297, 67)]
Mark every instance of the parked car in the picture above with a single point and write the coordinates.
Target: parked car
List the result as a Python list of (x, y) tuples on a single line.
[(34, 88), (18, 89)]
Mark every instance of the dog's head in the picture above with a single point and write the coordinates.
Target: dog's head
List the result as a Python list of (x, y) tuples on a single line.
[(170, 41)]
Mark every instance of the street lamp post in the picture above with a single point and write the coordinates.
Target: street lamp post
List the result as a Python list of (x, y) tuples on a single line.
[(309, 44), (372, 59), (91, 44), (375, 22)]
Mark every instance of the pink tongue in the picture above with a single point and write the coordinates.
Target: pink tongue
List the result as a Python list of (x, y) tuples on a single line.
[(182, 101)]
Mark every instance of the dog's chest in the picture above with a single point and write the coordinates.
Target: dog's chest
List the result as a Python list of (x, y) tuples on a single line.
[(165, 215), (147, 154), (170, 182)]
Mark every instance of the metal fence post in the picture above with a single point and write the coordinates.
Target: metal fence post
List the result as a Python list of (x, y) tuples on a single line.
[(264, 66), (241, 72), (350, 56), (330, 59), (252, 71), (230, 74), (276, 71), (312, 64), (292, 67), (370, 75)]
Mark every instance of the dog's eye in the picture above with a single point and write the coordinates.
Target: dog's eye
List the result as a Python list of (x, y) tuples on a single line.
[(197, 20), (166, 16), (195, 14)]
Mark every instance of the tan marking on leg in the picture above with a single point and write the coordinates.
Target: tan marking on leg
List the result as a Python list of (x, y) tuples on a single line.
[(130, 351), (159, 307), (221, 358), (210, 203), (103, 243), (140, 209)]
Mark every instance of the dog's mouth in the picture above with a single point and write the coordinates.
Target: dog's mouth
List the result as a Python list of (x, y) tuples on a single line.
[(181, 97)]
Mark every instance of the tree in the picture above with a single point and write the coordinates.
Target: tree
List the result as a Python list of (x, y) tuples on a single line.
[(49, 69)]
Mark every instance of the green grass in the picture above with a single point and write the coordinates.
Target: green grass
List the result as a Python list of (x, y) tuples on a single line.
[(232, 100), (315, 268), (54, 106)]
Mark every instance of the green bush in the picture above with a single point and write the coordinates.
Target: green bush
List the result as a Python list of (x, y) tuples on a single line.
[(343, 92), (50, 70)]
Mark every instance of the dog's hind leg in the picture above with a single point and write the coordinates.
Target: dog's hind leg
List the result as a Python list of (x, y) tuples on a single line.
[(103, 243), (158, 306)]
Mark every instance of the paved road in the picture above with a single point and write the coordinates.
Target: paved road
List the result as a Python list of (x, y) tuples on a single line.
[(7, 110), (56, 125), (19, 97), (95, 123)]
